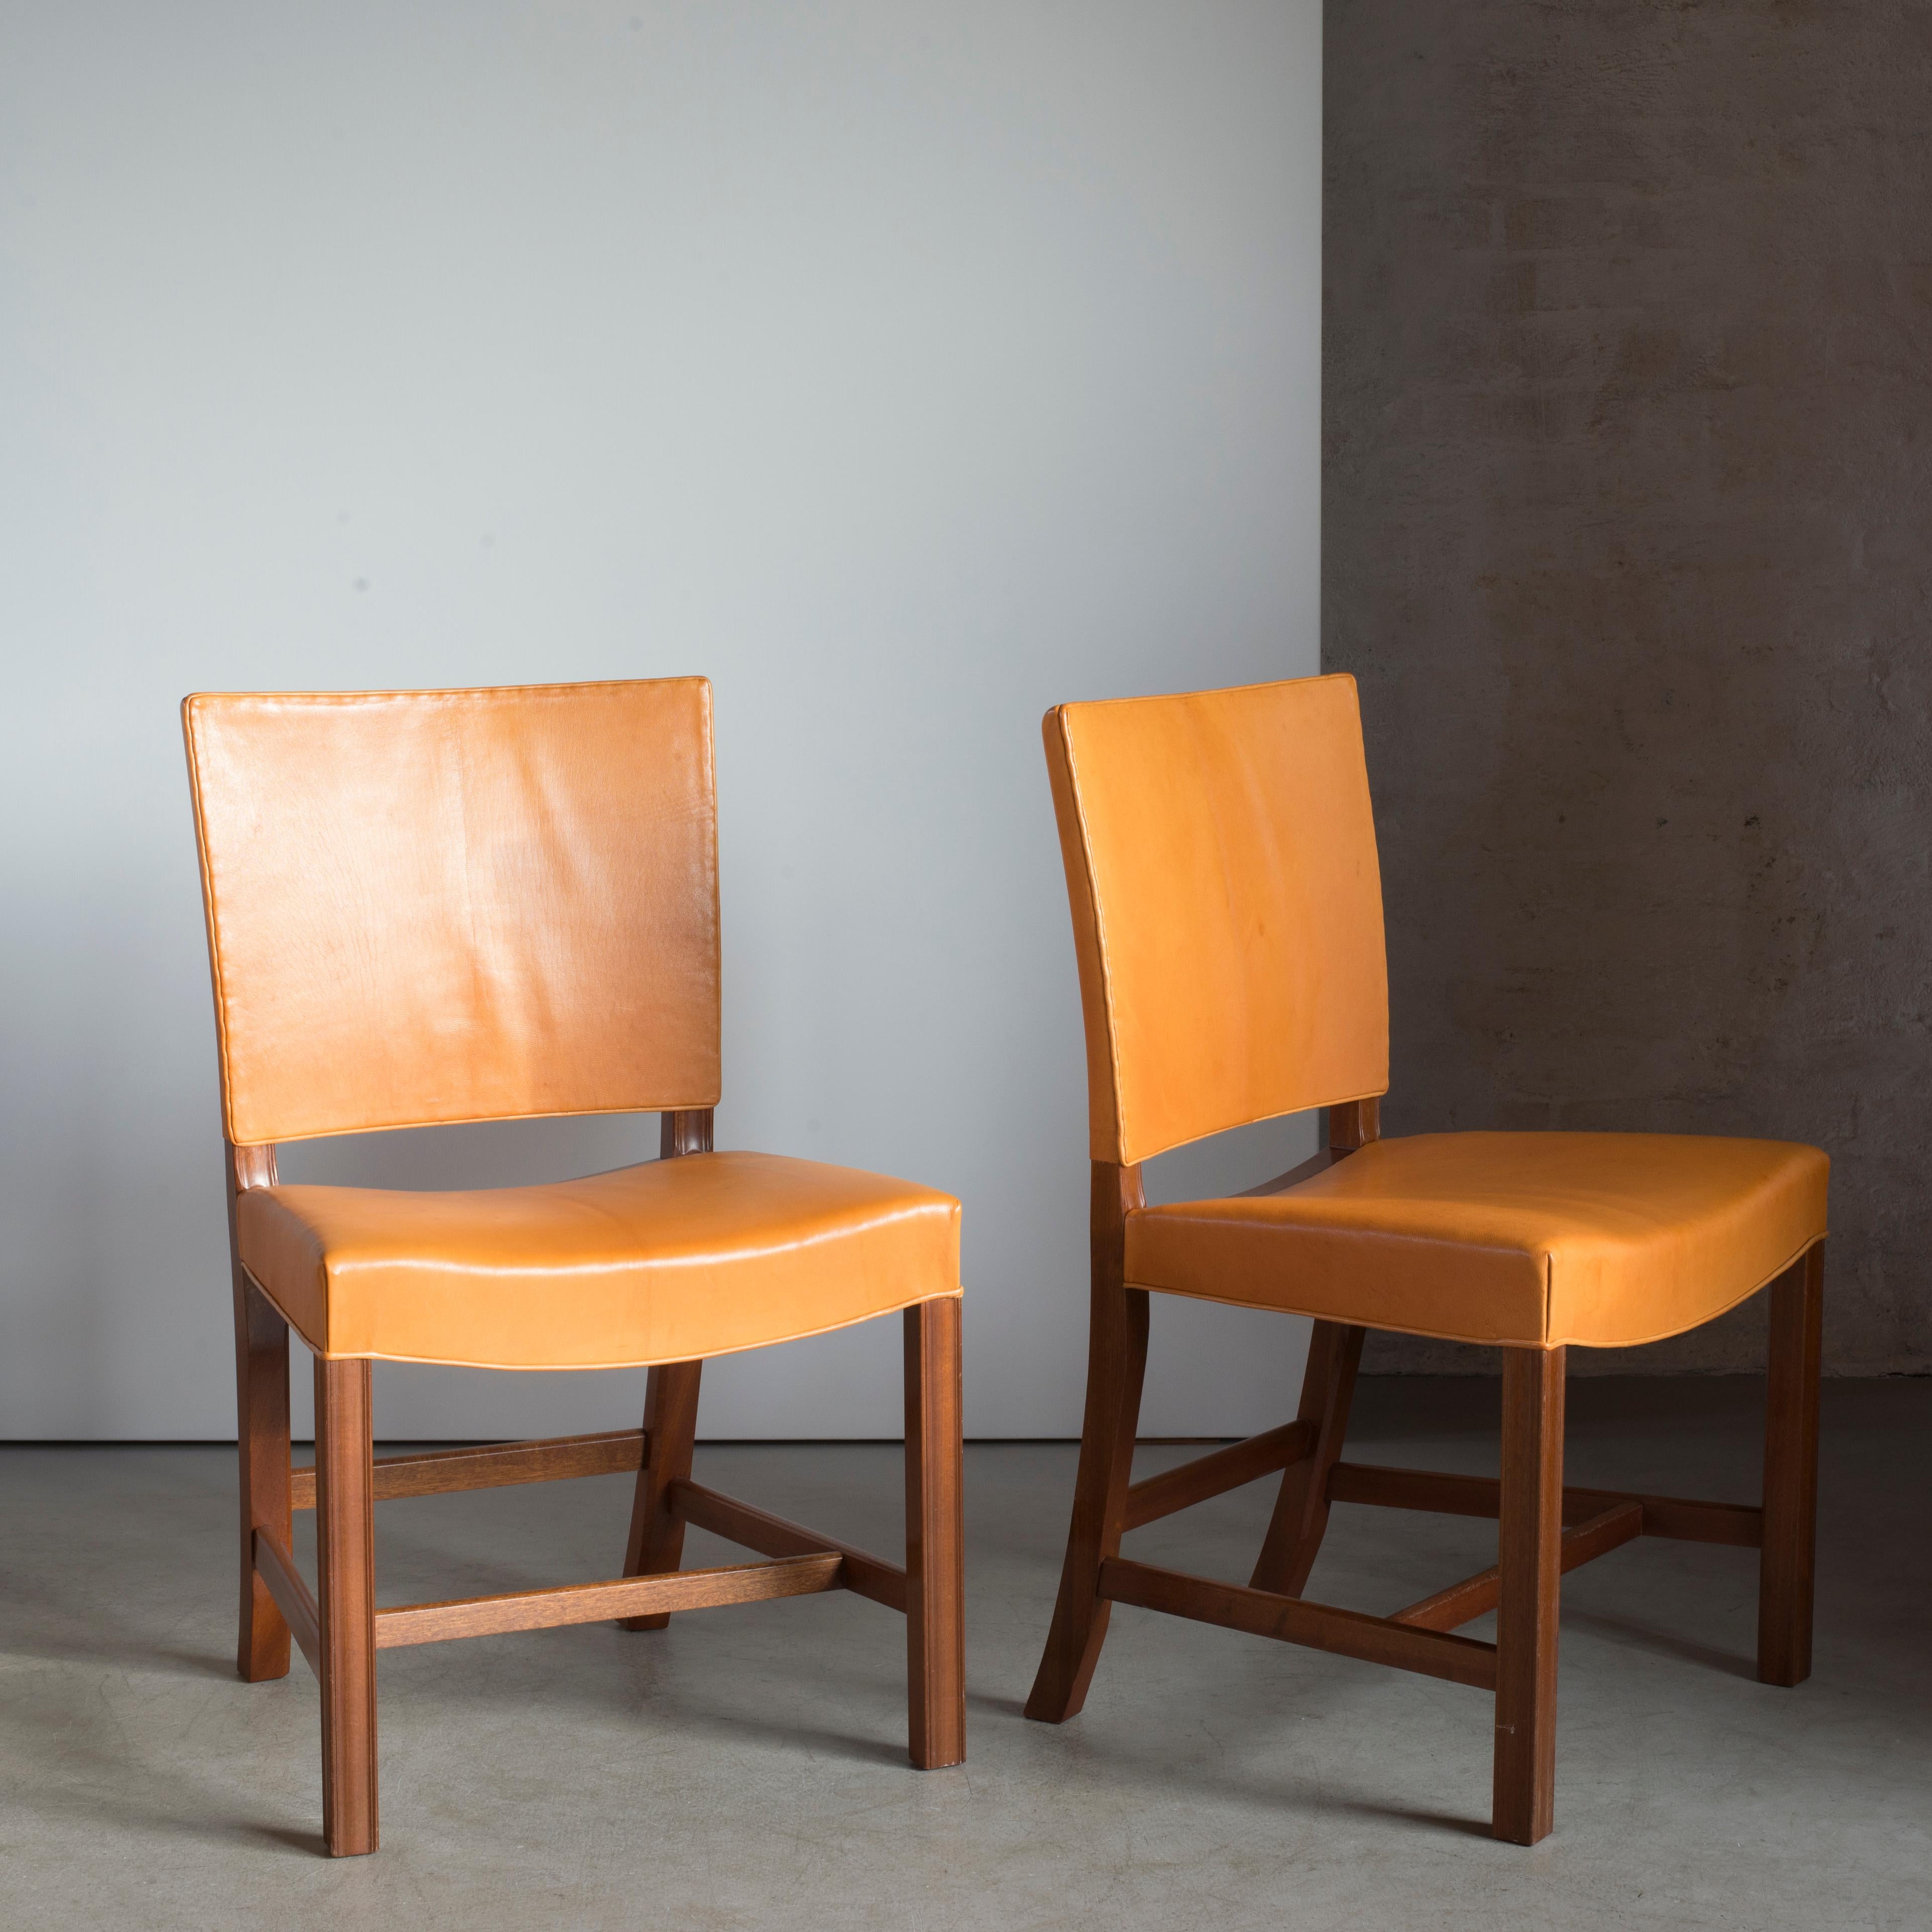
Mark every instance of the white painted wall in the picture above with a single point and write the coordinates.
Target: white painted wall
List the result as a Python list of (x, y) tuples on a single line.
[(905, 365)]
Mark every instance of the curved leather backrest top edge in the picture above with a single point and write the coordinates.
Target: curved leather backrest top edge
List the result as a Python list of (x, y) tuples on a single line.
[(1221, 868), (429, 907), (1103, 1125)]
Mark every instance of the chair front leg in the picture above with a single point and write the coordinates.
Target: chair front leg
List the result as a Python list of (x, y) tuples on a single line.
[(935, 1537), (1787, 1563), (656, 1544), (1300, 1518), (346, 1566), (1116, 1366), (1530, 1542)]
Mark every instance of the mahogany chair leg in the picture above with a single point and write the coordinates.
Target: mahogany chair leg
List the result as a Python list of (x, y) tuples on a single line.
[(1300, 1518), (657, 1531), (1787, 1567), (1530, 1539), (262, 1442), (935, 1537), (346, 1600), (656, 1544), (1116, 1364), (261, 1430)]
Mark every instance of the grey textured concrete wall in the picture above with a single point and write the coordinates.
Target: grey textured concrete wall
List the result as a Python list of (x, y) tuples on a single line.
[(1628, 538)]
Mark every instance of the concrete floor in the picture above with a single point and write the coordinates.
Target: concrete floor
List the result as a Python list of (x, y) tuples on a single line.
[(746, 1769)]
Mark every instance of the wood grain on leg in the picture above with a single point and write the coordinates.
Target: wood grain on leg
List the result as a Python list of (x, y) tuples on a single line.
[(261, 1434), (656, 1543), (935, 1537), (1300, 1518), (594, 1603), (687, 1131), (657, 1529), (862, 1572), (346, 1563), (1738, 1524), (1354, 1123), (1530, 1541), (1214, 1475), (1787, 1567), (491, 1466), (293, 1597), (1116, 1364)]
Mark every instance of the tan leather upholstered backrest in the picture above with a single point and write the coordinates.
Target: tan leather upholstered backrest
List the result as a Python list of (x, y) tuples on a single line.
[(458, 905), (1227, 908)]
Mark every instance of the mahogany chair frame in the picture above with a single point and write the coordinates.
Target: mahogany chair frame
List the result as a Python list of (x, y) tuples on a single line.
[(340, 1628), (1545, 1528)]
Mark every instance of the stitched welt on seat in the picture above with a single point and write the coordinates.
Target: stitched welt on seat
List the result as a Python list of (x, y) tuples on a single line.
[(1665, 1334), (642, 1362)]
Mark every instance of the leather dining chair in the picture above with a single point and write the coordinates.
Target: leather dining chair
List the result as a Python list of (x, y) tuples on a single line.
[(430, 907), (1220, 859)]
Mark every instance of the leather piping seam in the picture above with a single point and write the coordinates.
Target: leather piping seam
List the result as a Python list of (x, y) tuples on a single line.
[(626, 1362), (1213, 690), (377, 696), (261, 1289), (717, 933), (1489, 1341)]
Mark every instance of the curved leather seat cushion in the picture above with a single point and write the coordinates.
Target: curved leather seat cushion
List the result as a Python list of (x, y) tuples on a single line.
[(1540, 1239), (667, 1261)]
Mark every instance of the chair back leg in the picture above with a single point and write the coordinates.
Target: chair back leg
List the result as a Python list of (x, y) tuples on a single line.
[(1116, 1366), (1300, 1518), (1530, 1536), (261, 1429), (262, 1445), (1786, 1565), (346, 1573), (935, 1537), (656, 1544)]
